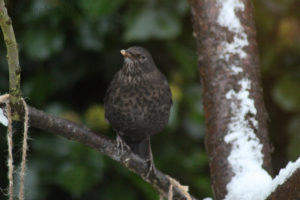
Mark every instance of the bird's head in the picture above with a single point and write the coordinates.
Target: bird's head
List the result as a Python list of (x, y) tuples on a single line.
[(137, 60)]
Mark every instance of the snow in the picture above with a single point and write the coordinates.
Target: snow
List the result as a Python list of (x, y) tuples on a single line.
[(227, 18), (285, 173), (3, 119), (250, 180), (246, 156), (235, 47), (235, 69)]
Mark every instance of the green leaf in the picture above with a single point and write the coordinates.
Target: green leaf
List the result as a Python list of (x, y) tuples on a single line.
[(173, 119), (286, 93), (294, 138), (74, 167), (148, 191), (181, 6), (30, 181), (186, 59), (91, 33), (151, 23), (97, 8), (118, 190), (89, 38), (203, 184), (195, 161), (82, 171), (38, 10), (39, 87), (41, 44), (75, 178), (194, 117), (94, 117)]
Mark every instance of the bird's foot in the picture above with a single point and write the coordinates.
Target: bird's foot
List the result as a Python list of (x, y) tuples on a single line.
[(151, 168), (121, 145)]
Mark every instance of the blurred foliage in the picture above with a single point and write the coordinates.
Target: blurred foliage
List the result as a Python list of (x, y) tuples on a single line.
[(69, 51), (95, 119), (278, 31)]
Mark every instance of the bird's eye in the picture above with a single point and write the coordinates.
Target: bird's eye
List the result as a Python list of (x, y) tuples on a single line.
[(142, 57)]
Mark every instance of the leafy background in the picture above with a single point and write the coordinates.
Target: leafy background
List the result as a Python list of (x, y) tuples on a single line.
[(69, 51)]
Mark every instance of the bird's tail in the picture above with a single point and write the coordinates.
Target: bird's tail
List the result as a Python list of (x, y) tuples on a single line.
[(141, 148)]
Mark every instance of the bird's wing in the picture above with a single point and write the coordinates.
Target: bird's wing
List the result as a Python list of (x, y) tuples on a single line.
[(112, 83), (166, 88), (169, 90)]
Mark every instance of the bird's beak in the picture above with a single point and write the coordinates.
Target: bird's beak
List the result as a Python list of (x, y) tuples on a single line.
[(126, 53)]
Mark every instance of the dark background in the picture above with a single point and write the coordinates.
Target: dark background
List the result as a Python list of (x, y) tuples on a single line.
[(69, 51)]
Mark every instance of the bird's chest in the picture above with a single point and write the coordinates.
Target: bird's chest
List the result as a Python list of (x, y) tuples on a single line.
[(137, 106), (136, 99)]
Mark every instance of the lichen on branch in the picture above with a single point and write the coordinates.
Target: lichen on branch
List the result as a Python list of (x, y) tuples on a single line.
[(12, 59)]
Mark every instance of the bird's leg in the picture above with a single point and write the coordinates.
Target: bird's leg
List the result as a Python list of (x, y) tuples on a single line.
[(150, 161), (151, 166), (121, 145)]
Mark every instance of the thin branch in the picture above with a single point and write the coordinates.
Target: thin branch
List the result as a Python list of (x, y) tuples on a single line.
[(13, 60), (160, 181)]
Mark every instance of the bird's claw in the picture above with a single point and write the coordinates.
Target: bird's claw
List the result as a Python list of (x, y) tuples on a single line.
[(151, 168), (121, 145), (151, 165)]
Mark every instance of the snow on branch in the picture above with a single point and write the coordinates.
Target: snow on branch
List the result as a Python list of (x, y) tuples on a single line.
[(228, 19), (286, 184), (246, 156), (3, 119), (284, 174), (237, 139), (3, 101)]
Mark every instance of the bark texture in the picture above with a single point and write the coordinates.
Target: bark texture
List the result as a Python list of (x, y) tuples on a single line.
[(12, 59), (289, 190), (217, 80)]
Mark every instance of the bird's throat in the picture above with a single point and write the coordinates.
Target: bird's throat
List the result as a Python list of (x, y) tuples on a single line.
[(131, 68)]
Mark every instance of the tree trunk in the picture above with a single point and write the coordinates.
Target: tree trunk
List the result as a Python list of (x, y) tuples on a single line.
[(228, 58)]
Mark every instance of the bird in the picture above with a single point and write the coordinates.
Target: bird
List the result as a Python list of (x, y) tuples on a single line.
[(137, 102)]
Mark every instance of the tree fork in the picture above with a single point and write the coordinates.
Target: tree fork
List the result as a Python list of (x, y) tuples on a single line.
[(217, 80)]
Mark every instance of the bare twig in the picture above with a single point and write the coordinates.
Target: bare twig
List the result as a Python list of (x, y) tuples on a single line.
[(13, 60)]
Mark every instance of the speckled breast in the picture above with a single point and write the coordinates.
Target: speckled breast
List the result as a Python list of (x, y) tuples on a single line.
[(138, 110)]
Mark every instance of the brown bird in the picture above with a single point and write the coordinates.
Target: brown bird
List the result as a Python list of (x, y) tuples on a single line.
[(137, 102)]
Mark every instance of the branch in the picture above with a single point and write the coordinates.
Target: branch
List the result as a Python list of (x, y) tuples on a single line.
[(236, 118), (289, 189), (160, 181), (13, 60)]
